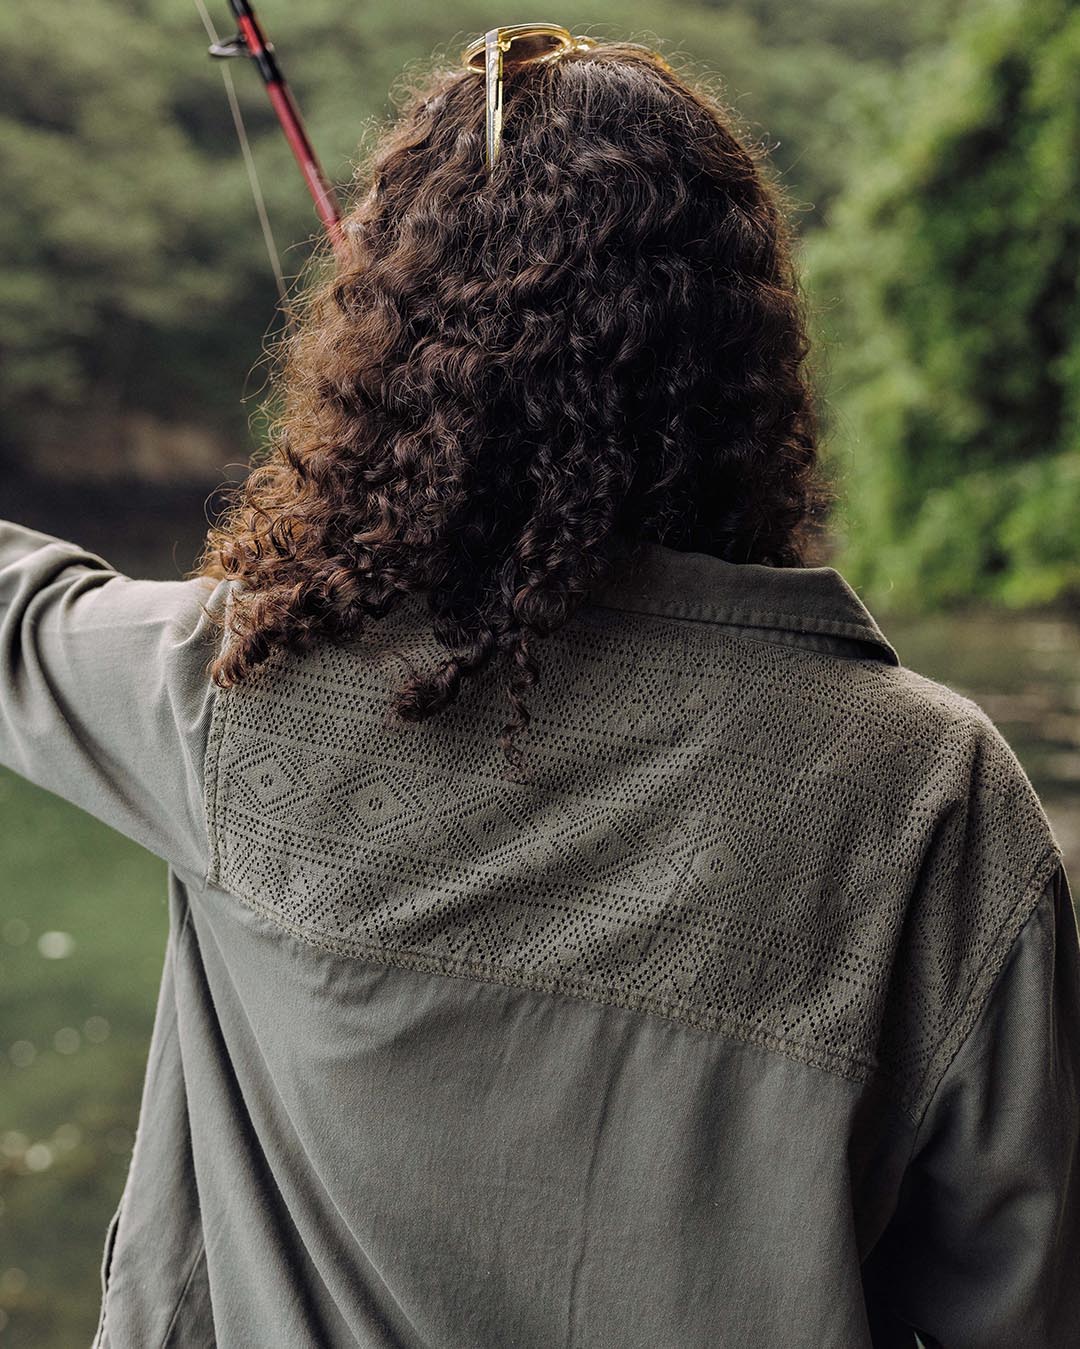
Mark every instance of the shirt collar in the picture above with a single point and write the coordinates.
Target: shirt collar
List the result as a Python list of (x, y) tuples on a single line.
[(793, 605)]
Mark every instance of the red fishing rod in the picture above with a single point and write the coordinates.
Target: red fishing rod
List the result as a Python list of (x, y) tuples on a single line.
[(252, 42)]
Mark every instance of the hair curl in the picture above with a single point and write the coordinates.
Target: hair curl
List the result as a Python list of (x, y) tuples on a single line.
[(506, 379)]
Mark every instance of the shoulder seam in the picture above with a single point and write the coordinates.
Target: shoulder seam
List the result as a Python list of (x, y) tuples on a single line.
[(994, 959), (219, 719)]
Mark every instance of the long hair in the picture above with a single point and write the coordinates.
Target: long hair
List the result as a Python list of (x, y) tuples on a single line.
[(505, 382)]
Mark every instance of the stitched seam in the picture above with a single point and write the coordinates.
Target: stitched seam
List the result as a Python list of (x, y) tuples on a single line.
[(183, 1292), (858, 1070), (184, 926), (755, 619), (213, 777), (99, 1334), (978, 994), (106, 1268), (791, 642)]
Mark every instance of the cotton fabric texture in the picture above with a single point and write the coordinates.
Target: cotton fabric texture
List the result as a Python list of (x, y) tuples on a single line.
[(753, 1020)]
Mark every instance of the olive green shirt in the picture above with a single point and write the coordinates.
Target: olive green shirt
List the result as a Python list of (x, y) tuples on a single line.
[(752, 1020)]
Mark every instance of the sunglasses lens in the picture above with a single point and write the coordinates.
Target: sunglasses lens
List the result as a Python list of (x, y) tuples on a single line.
[(529, 46)]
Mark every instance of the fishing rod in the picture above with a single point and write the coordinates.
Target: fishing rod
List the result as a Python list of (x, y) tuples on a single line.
[(251, 41)]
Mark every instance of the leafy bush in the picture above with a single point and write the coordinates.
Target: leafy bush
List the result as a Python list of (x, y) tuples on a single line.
[(948, 283)]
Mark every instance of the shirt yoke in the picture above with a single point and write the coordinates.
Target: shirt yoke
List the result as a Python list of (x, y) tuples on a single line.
[(824, 856)]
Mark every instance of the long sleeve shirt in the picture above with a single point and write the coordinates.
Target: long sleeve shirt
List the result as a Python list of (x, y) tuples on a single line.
[(751, 1020)]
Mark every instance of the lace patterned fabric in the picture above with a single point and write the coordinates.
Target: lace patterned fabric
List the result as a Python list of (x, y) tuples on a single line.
[(824, 855)]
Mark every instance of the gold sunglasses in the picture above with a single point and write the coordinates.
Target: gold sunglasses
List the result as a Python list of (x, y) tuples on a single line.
[(520, 42)]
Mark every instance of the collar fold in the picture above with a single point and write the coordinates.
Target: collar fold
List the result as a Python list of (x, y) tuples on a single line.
[(796, 605)]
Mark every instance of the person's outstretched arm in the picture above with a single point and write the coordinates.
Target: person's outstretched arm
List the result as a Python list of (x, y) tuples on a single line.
[(104, 698), (984, 1249)]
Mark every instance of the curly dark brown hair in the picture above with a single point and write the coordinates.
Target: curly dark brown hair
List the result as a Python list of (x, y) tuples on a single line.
[(507, 382)]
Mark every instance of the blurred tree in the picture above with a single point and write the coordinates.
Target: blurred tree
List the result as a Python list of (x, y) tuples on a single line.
[(135, 296), (948, 284)]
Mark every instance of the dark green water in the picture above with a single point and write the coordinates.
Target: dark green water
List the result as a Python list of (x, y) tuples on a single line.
[(1023, 669)]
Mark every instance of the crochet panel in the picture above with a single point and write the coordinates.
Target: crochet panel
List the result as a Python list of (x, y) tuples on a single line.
[(825, 857)]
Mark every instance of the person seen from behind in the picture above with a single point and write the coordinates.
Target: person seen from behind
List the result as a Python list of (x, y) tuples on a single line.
[(584, 930)]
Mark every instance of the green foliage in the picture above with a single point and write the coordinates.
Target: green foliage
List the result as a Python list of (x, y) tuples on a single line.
[(948, 283), (134, 276), (935, 183)]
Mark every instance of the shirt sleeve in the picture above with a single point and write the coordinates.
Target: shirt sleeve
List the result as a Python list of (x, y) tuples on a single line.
[(105, 697), (984, 1249)]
